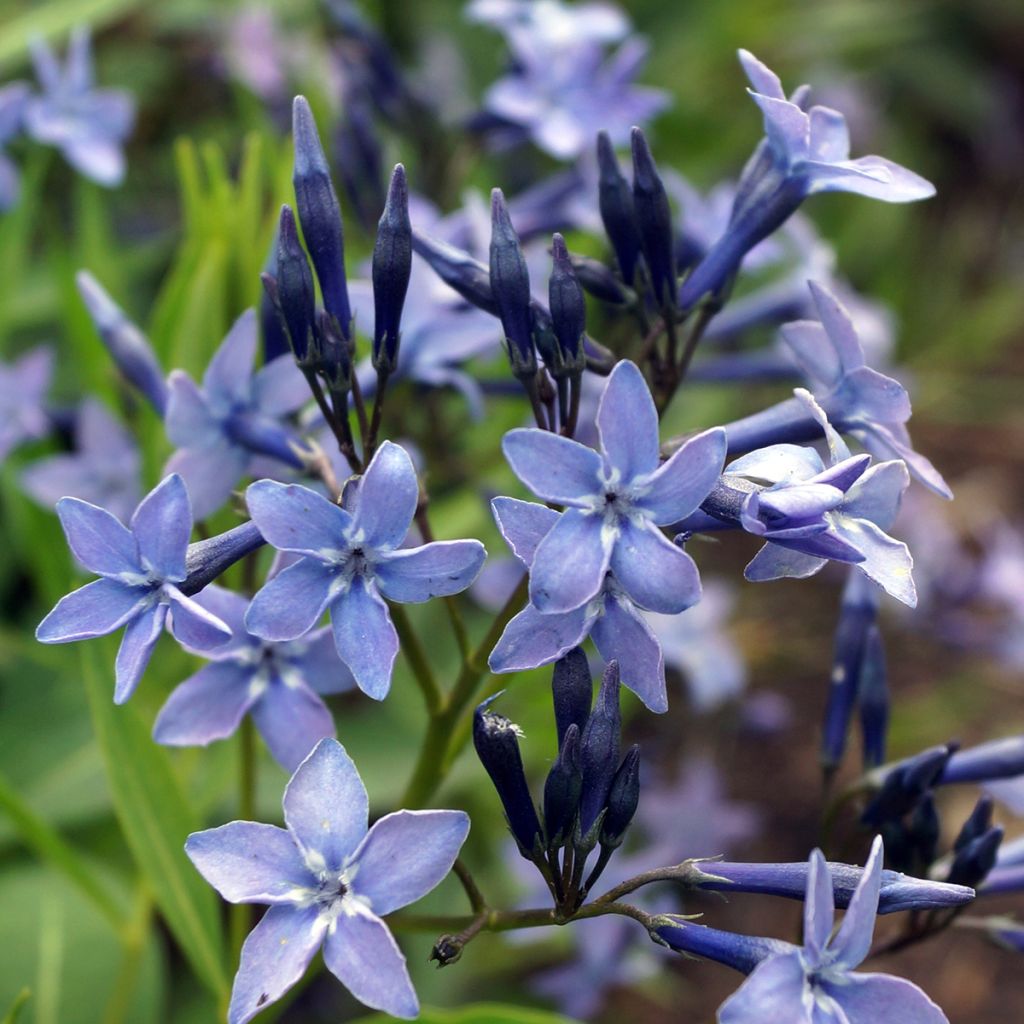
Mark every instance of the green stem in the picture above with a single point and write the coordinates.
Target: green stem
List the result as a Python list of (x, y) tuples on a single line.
[(417, 658), (134, 944)]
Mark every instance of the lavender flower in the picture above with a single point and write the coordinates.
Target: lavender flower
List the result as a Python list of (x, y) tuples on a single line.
[(12, 110), (279, 684), (88, 125), (351, 562), (328, 881), (104, 468), (139, 567), (235, 415), (23, 387)]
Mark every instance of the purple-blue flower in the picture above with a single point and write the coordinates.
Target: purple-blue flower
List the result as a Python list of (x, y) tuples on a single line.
[(328, 881), (234, 417), (13, 97), (88, 125), (104, 468), (139, 567), (279, 684), (23, 387), (617, 498), (352, 561), (815, 984)]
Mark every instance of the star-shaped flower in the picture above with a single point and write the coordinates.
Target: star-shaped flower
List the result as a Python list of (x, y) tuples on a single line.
[(235, 416), (328, 881), (88, 125), (277, 683), (815, 984), (617, 498), (23, 387), (139, 567), (352, 561)]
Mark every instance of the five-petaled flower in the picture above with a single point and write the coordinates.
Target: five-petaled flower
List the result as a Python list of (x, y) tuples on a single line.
[(23, 387), (328, 881), (351, 561), (277, 683), (138, 566), (816, 983)]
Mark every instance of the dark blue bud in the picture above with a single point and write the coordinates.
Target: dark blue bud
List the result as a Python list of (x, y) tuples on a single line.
[(273, 332), (320, 214), (292, 290), (127, 345), (496, 740), (568, 312), (975, 860), (618, 215), (392, 266), (998, 759), (510, 286), (873, 697), (923, 830), (468, 276), (572, 691), (599, 749), (333, 354), (978, 822), (905, 784), (622, 800), (599, 281), (654, 219), (562, 791), (207, 559), (741, 952)]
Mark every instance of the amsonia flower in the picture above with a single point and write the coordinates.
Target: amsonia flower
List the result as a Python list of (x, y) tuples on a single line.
[(88, 125), (351, 561), (617, 498), (235, 416), (12, 109), (139, 567), (104, 468), (816, 984), (277, 683), (328, 881), (23, 387)]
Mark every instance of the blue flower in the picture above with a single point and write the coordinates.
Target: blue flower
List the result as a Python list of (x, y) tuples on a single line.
[(617, 498), (816, 983), (277, 683), (23, 387), (12, 110), (328, 881), (139, 567), (104, 468), (235, 416), (88, 125), (351, 562)]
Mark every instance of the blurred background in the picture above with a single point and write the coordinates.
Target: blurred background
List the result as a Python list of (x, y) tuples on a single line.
[(937, 86)]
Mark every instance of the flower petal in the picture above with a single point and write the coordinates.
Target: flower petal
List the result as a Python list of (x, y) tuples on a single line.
[(533, 639), (760, 76), (871, 176), (883, 999), (210, 474), (325, 806), (830, 138), (188, 420), (778, 463), (655, 573), (406, 854), (571, 562), (772, 994), (248, 862), (627, 423), (776, 562), (815, 352), (870, 395), (413, 575), (292, 602), (229, 373), (853, 940), (622, 635), (892, 440), (162, 525), (365, 637), (678, 487), (362, 954), (279, 387), (137, 645), (553, 467), (877, 493), (387, 497), (97, 608), (274, 957), (819, 909), (314, 659), (294, 518), (292, 720), (787, 128), (230, 608), (192, 625), (886, 560), (98, 540), (206, 707), (523, 524)]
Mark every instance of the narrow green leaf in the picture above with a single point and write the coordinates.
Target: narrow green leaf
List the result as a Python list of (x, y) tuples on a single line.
[(478, 1013), (155, 819), (11, 1016)]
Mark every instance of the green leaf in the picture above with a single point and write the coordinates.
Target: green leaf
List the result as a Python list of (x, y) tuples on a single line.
[(478, 1013), (20, 1000), (155, 819)]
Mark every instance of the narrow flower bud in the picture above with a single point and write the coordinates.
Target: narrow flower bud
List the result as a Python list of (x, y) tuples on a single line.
[(904, 784), (568, 312), (741, 952), (923, 831), (622, 800), (873, 697), (595, 278), (998, 759), (319, 214), (572, 691), (618, 215), (599, 749), (976, 859), (273, 333), (562, 791), (654, 220), (978, 821), (392, 266), (207, 559), (496, 740), (468, 276), (294, 293), (510, 285), (333, 355)]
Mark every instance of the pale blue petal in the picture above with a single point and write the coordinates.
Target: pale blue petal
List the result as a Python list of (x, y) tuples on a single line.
[(162, 525), (627, 423), (621, 635), (97, 608), (775, 562), (871, 176), (325, 806), (387, 498), (280, 388), (140, 637), (888, 440), (363, 955), (787, 128), (876, 495), (365, 637), (405, 855), (571, 562), (884, 999), (96, 158), (523, 524), (830, 138), (553, 467), (838, 325), (192, 625), (274, 957), (778, 463), (97, 539), (230, 608), (532, 639), (819, 909), (655, 573), (188, 420), (853, 940), (678, 487), (762, 79), (837, 449), (291, 720), (229, 374), (315, 659), (772, 994), (886, 560), (815, 353), (868, 394), (208, 706), (248, 862), (292, 602), (294, 518), (210, 474), (413, 575)]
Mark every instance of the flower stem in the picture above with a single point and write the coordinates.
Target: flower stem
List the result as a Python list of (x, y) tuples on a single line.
[(418, 661)]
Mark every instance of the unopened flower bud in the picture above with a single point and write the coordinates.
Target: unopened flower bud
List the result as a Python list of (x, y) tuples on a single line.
[(568, 312), (599, 749), (572, 691), (615, 200), (292, 289), (975, 860), (978, 821), (510, 285), (654, 219), (622, 800), (392, 267), (562, 791)]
